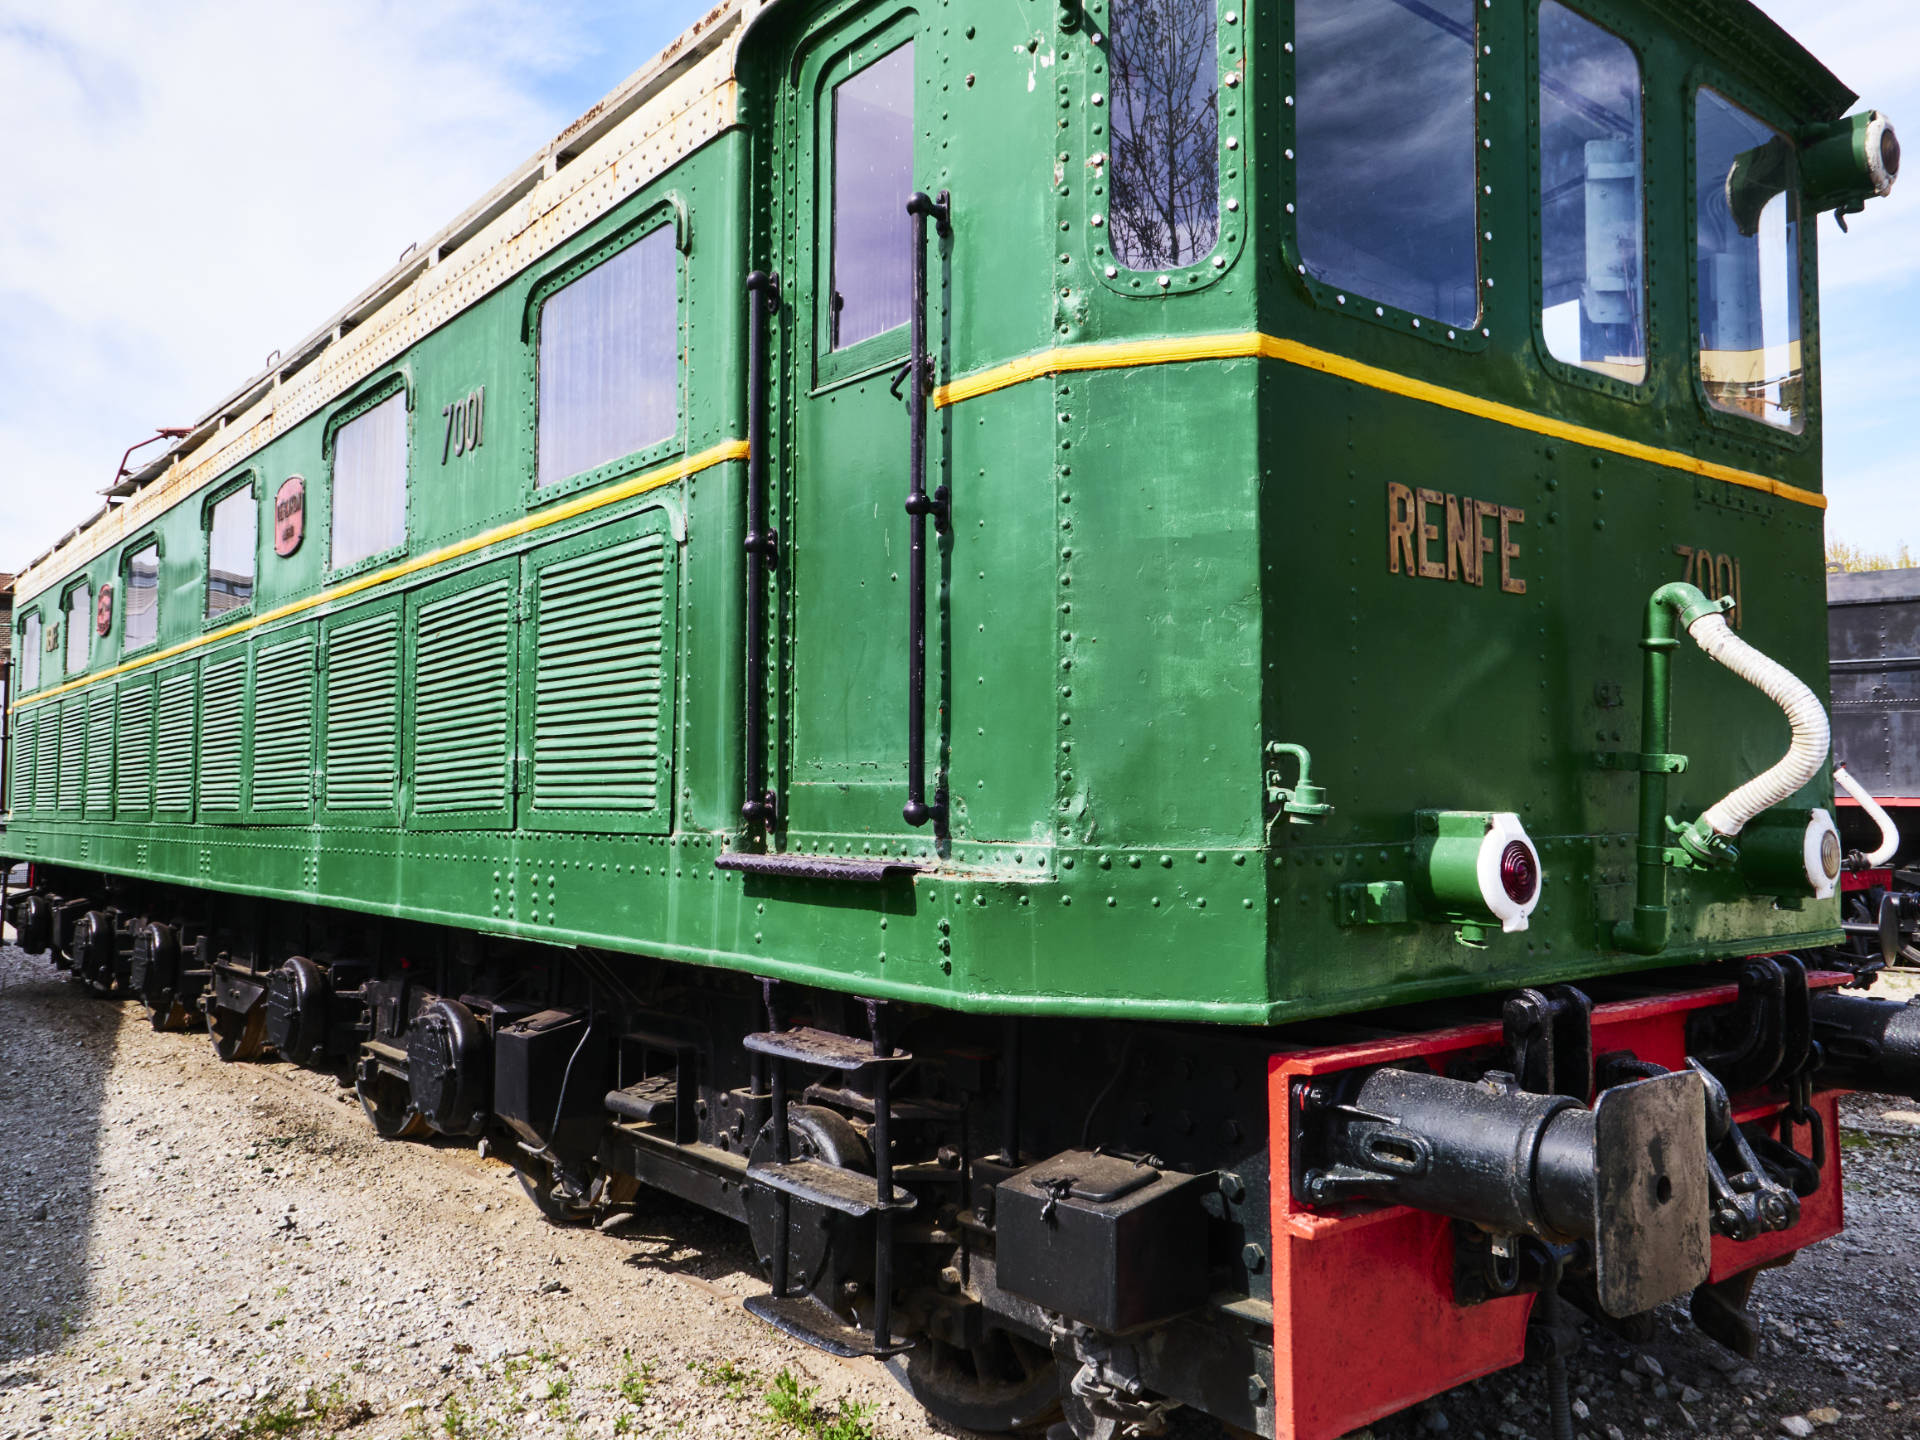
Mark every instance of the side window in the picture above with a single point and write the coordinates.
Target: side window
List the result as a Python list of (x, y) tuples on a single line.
[(1386, 176), (233, 536), (79, 627), (872, 284), (1748, 204), (1164, 56), (143, 597), (610, 361), (1593, 236), (370, 483), (30, 643)]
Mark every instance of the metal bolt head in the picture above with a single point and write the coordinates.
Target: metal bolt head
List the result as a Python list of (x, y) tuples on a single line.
[(1254, 1258)]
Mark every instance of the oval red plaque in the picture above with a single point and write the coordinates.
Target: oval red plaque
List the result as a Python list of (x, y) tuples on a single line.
[(289, 515)]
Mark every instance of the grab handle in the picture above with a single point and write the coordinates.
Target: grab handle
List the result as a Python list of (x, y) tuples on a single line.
[(919, 810)]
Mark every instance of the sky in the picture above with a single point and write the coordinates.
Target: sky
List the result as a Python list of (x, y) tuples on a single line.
[(192, 185)]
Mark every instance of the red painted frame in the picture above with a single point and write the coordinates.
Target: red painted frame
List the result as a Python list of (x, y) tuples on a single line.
[(1364, 1319)]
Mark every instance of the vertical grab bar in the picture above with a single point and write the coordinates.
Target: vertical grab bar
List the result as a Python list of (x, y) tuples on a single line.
[(918, 810), (762, 544)]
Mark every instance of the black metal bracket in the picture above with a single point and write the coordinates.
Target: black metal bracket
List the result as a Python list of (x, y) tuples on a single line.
[(1768, 1034), (762, 546), (919, 810), (1549, 1035)]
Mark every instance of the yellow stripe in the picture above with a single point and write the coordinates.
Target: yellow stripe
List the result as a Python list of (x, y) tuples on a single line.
[(1246, 346), (580, 505)]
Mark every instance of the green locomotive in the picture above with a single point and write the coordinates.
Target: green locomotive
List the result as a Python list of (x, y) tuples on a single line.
[(1030, 647)]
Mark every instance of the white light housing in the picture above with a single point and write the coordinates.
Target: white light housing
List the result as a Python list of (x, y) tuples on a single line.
[(1821, 854), (1510, 873)]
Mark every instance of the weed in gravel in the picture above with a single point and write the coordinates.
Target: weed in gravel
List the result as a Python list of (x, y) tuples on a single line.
[(274, 1416), (728, 1375), (634, 1379), (793, 1405)]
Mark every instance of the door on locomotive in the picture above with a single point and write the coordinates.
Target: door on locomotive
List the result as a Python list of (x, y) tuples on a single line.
[(844, 145)]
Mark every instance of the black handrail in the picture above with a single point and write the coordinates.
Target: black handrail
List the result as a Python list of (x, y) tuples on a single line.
[(762, 544), (920, 504)]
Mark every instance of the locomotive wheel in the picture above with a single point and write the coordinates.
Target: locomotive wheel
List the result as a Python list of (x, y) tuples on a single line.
[(95, 952), (824, 1249), (390, 1108), (1002, 1382), (237, 1036), (556, 1209)]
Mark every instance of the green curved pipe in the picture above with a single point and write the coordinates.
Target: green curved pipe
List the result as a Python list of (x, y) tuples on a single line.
[(1671, 609)]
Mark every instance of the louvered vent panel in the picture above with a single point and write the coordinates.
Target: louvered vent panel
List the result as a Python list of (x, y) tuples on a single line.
[(283, 725), (100, 753), (223, 703), (26, 733), (363, 713), (73, 753), (173, 760), (46, 769), (462, 727), (133, 780), (599, 679)]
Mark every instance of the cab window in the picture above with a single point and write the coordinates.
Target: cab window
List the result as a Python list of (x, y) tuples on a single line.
[(79, 627), (233, 533), (1165, 211), (1386, 175), (143, 596), (872, 178), (31, 640), (370, 483), (1748, 208), (1593, 235), (610, 361)]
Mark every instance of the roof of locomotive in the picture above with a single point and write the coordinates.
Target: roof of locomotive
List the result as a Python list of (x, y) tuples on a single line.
[(1870, 587), (1738, 28)]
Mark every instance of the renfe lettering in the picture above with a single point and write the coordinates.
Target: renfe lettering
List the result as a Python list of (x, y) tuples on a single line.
[(1434, 536)]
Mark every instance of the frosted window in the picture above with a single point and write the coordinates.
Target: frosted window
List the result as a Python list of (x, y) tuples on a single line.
[(1749, 268), (230, 553), (1166, 132), (610, 361), (143, 597), (1593, 267), (31, 639), (872, 182), (1386, 171), (370, 483), (79, 628)]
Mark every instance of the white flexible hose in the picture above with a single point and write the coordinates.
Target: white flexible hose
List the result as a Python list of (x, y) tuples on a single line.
[(1808, 750), (1889, 835)]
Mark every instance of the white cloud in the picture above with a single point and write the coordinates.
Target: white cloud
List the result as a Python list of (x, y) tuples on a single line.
[(191, 185)]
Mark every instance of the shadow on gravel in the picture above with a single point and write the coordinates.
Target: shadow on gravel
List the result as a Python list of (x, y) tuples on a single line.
[(673, 1237), (57, 1047)]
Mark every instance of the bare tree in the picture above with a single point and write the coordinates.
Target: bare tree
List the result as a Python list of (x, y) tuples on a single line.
[(1166, 132)]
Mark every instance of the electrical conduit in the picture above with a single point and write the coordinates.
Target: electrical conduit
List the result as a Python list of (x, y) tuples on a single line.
[(1889, 835)]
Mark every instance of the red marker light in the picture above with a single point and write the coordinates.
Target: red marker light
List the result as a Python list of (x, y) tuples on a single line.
[(1519, 874)]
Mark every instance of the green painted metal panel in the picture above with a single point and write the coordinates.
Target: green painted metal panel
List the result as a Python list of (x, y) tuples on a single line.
[(133, 751), (599, 673), (73, 753), (284, 676), (362, 726), (174, 744), (223, 724), (461, 735)]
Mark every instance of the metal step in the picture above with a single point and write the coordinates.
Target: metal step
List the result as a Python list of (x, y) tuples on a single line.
[(821, 1048), (811, 1323), (651, 1101), (871, 870), (814, 1181)]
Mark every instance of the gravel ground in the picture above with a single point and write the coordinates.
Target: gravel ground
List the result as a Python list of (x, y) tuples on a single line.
[(212, 1252), (189, 1249)]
